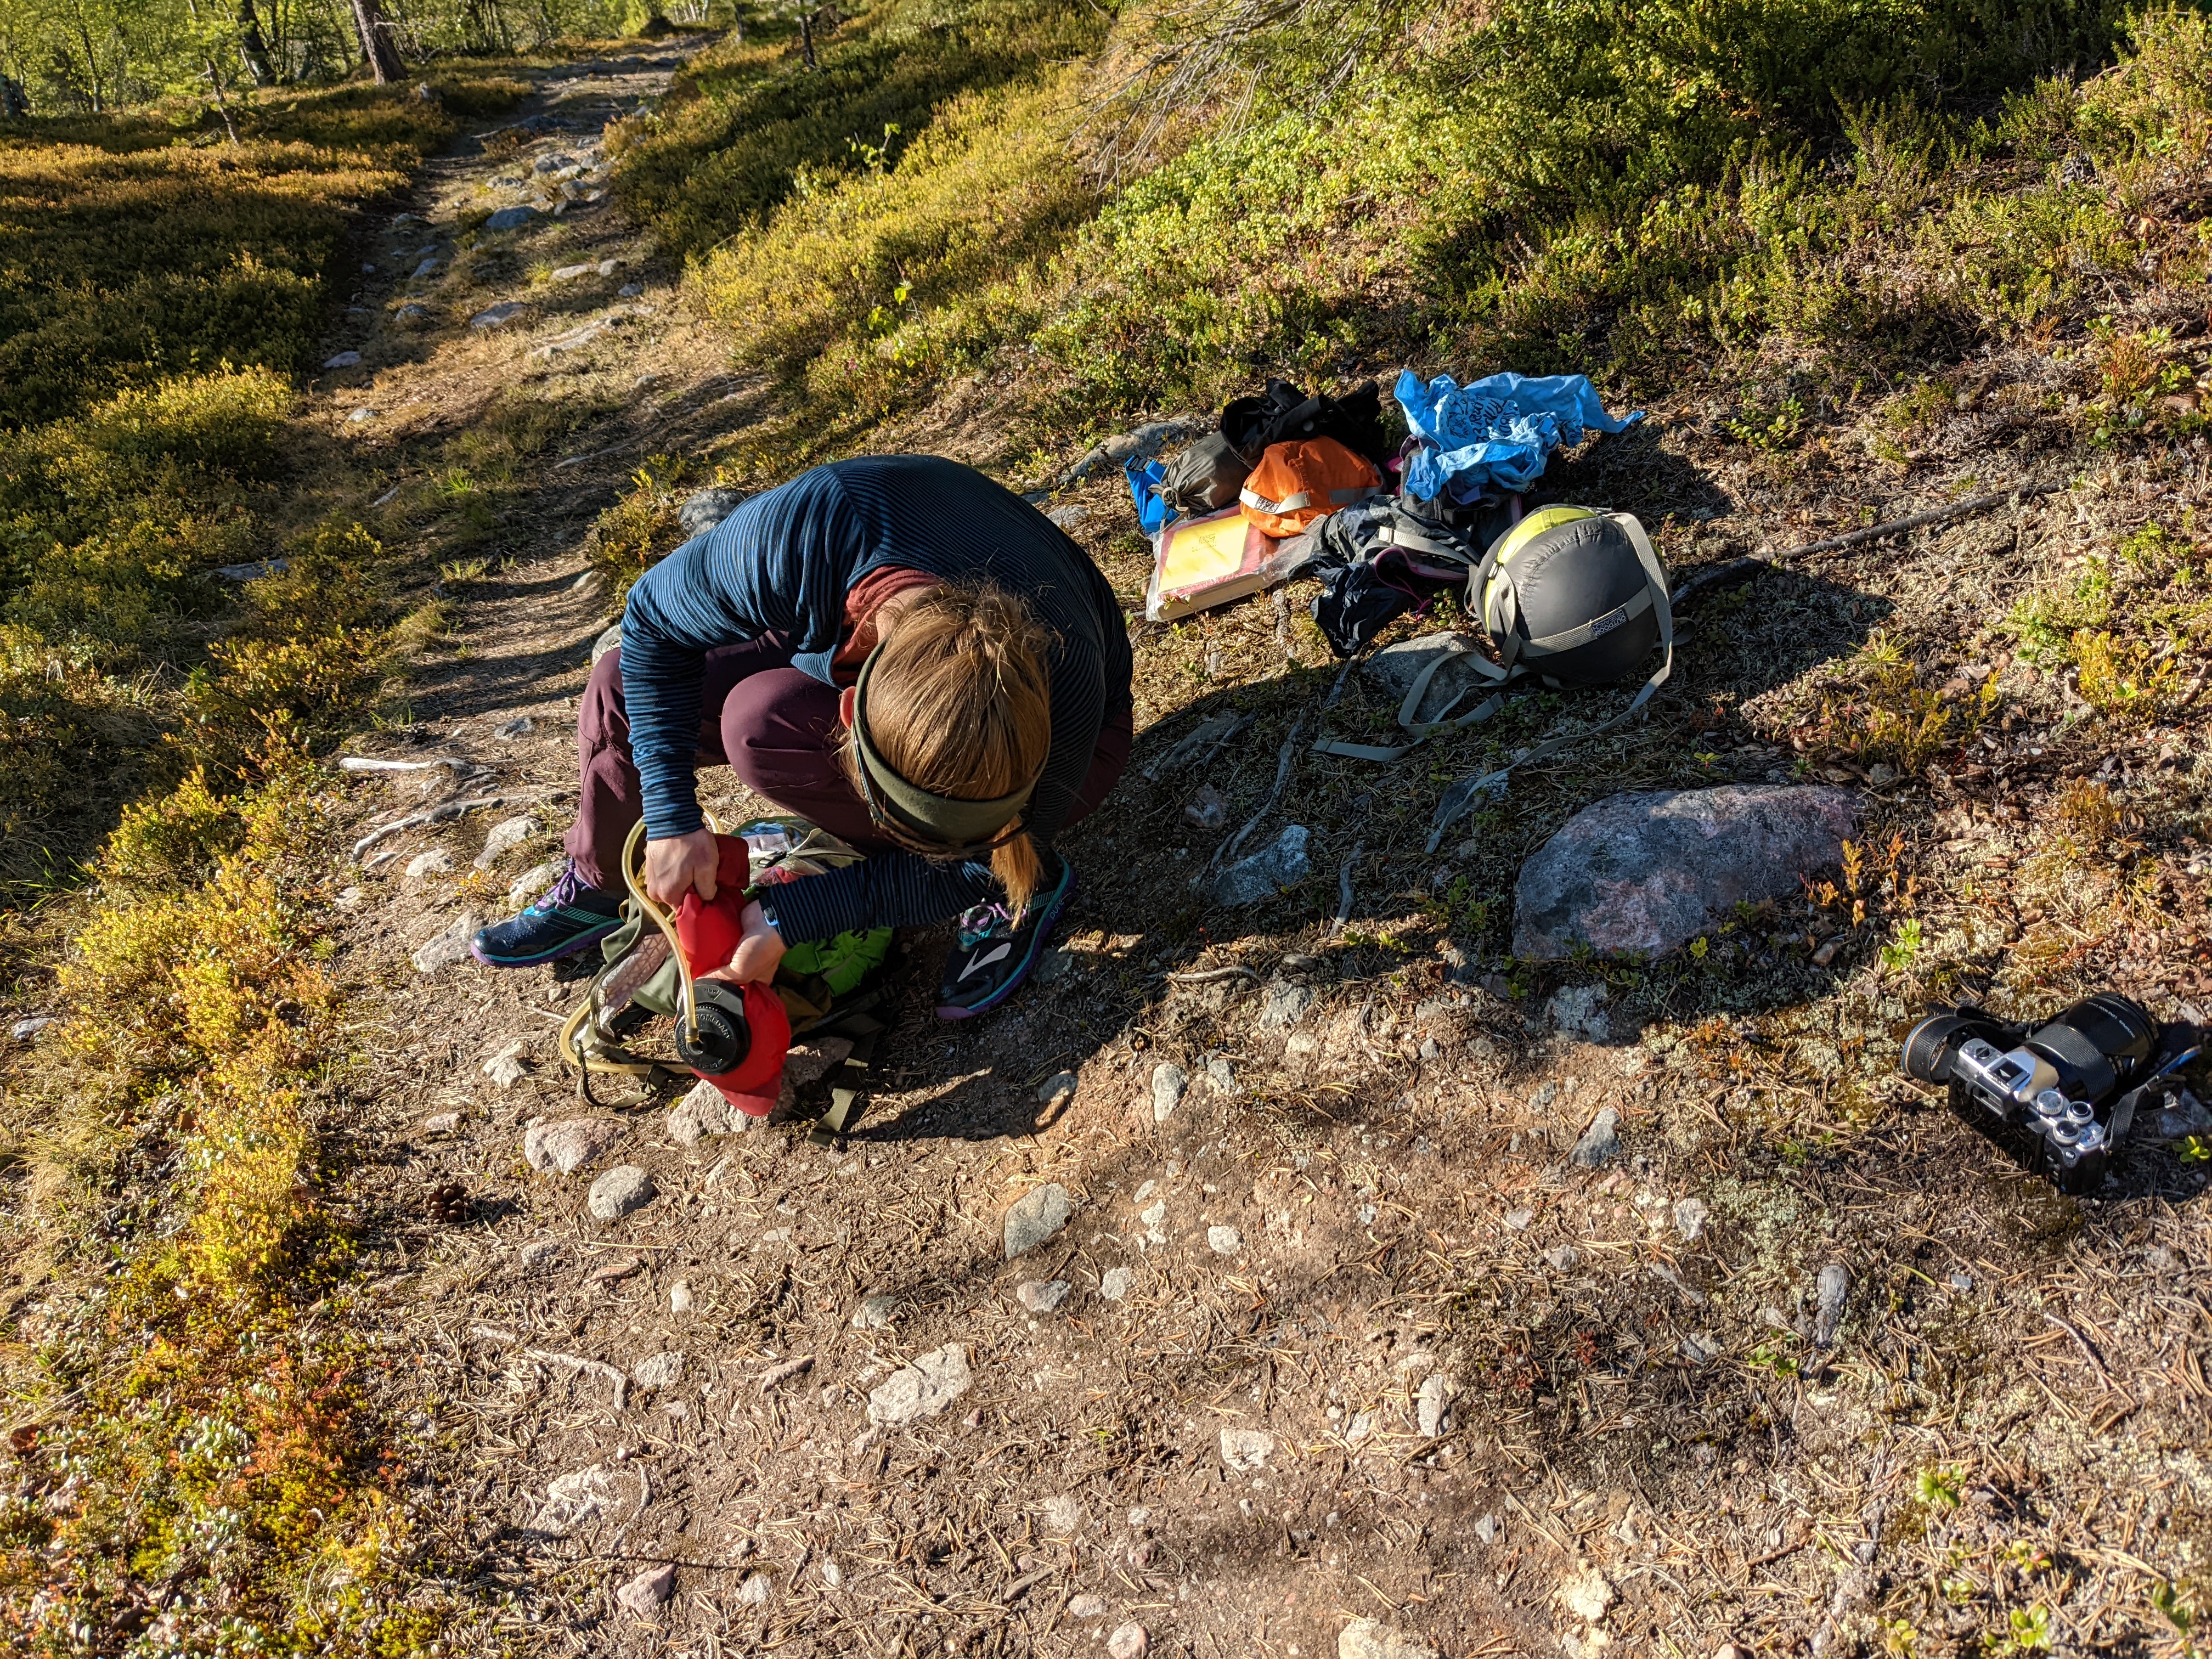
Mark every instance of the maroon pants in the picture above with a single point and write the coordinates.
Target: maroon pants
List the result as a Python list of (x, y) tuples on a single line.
[(772, 724)]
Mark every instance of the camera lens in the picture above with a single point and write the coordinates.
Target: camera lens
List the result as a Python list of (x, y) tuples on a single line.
[(1930, 1046)]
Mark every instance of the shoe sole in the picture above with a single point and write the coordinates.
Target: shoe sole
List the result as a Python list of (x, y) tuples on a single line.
[(951, 1010), (583, 941)]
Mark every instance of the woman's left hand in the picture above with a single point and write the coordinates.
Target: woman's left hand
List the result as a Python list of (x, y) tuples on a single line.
[(760, 948)]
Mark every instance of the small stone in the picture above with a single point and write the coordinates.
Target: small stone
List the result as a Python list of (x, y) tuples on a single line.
[(1600, 1142), (569, 273), (1562, 1259), (755, 1590), (1042, 1296), (1283, 863), (512, 218), (435, 862), (658, 1371), (630, 290), (705, 508), (1432, 1405), (1962, 1282), (444, 1123), (1520, 1220), (1206, 809), (1059, 1087), (505, 837), (1361, 1426), (343, 360), (24, 1030), (1587, 1595), (1832, 1286), (833, 1575), (427, 270), (534, 880), (1086, 1605), (1370, 1639), (1221, 1075), (567, 1146), (1486, 1528), (411, 314), (624, 1190), (445, 948), (875, 1313), (1246, 1450), (922, 1389), (1284, 1004), (1690, 1218), (1129, 1642), (538, 1255), (1036, 1218), (507, 1066), (679, 1297), (498, 316), (1224, 1240), (1700, 1348), (1114, 1284), (516, 727), (704, 1111), (361, 414), (1168, 1082), (1069, 516)]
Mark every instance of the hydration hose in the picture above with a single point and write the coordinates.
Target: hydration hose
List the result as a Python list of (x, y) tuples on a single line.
[(633, 878)]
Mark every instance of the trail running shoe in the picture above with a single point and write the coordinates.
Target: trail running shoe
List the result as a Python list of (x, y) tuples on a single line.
[(570, 917), (996, 949)]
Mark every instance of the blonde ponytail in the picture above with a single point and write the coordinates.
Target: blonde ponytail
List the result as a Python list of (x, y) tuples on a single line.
[(960, 704)]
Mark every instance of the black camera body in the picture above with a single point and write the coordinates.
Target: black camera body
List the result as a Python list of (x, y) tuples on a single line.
[(2060, 1096)]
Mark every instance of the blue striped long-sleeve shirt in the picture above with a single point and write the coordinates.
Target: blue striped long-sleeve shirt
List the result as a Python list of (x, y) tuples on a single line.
[(782, 563)]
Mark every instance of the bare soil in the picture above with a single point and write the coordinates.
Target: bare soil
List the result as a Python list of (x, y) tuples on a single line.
[(2000, 1447)]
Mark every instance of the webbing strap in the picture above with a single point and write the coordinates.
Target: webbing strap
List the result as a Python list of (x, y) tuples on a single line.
[(845, 1094), (1463, 795), (1304, 499), (1453, 651)]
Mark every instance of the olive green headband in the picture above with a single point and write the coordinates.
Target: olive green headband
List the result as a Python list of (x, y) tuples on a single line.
[(963, 826)]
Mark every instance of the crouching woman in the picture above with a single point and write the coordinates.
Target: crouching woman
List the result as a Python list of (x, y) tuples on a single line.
[(895, 649)]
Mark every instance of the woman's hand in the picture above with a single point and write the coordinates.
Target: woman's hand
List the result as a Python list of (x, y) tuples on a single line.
[(680, 865), (760, 948)]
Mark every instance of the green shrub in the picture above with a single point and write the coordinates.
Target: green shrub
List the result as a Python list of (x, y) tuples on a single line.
[(896, 278), (745, 124)]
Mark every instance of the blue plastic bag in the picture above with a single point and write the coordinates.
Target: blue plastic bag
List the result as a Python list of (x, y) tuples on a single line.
[(1153, 515), (1497, 433)]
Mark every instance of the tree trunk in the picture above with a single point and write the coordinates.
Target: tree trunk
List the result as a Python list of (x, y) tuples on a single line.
[(253, 46), (377, 45)]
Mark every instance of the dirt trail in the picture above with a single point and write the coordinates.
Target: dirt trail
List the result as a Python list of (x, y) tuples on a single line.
[(1335, 1330)]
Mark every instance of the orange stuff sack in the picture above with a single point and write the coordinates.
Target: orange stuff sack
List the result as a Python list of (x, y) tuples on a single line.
[(1296, 483)]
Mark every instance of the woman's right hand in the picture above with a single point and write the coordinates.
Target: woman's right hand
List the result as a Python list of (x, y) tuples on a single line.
[(681, 864)]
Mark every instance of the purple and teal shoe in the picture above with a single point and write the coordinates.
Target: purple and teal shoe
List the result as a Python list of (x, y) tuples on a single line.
[(568, 918), (997, 949)]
